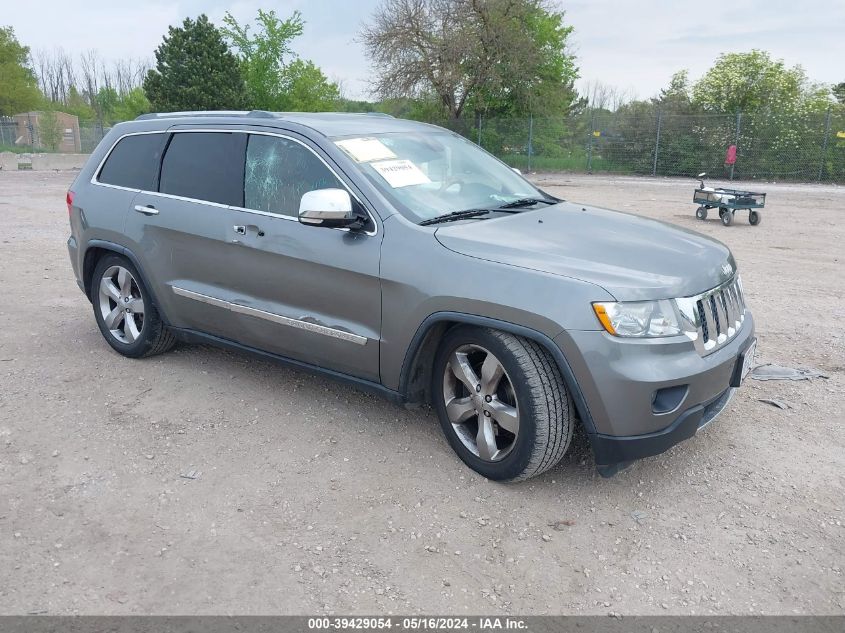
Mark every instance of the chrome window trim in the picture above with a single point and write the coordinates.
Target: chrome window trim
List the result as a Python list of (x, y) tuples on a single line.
[(95, 177), (301, 324)]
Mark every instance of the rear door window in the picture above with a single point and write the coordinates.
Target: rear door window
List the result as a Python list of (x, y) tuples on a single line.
[(134, 162), (205, 166)]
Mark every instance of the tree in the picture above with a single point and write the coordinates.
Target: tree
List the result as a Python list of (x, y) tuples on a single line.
[(49, 130), (275, 78), (839, 92), (748, 82), (19, 91), (503, 56), (306, 89), (77, 105), (194, 70), (130, 105)]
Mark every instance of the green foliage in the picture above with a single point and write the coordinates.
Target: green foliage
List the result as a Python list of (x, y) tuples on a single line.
[(542, 84), (130, 105), (772, 113), (503, 57), (49, 130), (306, 89), (262, 55), (749, 82), (19, 91), (275, 78), (839, 92), (194, 70), (77, 105)]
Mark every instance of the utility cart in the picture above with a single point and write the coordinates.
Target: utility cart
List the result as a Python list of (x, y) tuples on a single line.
[(728, 201)]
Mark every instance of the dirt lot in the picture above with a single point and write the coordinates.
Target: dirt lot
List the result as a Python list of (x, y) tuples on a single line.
[(315, 497)]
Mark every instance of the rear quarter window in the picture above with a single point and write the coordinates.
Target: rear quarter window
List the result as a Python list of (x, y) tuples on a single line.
[(134, 162), (205, 166)]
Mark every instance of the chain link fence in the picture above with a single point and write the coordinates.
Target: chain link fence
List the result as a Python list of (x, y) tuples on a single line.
[(770, 147)]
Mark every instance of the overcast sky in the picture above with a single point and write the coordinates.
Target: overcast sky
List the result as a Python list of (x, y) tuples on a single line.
[(634, 45)]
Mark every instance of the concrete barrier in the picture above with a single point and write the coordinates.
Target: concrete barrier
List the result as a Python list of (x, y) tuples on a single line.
[(60, 162)]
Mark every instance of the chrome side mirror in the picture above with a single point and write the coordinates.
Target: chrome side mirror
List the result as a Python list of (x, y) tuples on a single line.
[(328, 207)]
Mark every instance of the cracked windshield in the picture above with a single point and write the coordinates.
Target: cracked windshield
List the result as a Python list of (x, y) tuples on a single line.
[(427, 175)]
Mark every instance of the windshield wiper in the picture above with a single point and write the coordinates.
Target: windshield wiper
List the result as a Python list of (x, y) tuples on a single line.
[(456, 215), (526, 202)]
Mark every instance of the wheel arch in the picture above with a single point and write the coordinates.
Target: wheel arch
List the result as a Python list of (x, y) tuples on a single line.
[(414, 381), (96, 250)]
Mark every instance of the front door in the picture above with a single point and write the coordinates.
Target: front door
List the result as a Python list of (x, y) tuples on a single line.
[(308, 293)]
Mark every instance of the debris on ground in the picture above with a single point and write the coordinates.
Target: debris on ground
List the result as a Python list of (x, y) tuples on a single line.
[(776, 403), (559, 525), (776, 372), (191, 474)]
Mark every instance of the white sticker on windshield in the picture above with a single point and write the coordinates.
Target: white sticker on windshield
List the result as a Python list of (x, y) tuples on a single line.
[(365, 150), (401, 173)]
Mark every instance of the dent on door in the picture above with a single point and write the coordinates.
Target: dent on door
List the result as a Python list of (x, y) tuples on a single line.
[(308, 293)]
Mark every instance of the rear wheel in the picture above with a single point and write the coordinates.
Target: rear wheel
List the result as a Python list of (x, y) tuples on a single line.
[(727, 217), (126, 316), (754, 218), (701, 213), (501, 402)]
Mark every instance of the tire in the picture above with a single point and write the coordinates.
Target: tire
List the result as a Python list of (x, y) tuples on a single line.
[(727, 217), (754, 218), (701, 213), (136, 331), (529, 385), (722, 212)]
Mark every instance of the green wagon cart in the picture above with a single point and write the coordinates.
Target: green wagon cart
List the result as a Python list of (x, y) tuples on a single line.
[(728, 201)]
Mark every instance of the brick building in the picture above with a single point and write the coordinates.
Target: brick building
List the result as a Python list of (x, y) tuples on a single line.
[(30, 131)]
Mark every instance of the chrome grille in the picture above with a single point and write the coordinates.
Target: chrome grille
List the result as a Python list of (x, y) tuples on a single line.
[(713, 318)]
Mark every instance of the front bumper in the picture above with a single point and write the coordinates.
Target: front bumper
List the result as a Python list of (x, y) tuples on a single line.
[(625, 382)]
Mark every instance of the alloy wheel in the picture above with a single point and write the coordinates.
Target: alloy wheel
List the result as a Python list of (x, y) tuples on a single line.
[(121, 304), (480, 402)]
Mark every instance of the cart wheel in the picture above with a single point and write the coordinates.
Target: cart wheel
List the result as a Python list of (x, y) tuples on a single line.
[(722, 211), (754, 218), (727, 217), (701, 213)]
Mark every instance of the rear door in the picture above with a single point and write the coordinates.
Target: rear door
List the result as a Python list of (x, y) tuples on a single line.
[(183, 231)]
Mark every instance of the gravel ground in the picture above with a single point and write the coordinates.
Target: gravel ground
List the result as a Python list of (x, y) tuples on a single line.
[(306, 496)]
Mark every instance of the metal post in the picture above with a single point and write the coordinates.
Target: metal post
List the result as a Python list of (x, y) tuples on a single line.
[(530, 139), (479, 129), (590, 146), (824, 144), (656, 143), (736, 139)]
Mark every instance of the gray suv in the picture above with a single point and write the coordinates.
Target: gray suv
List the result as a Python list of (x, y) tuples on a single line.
[(404, 259)]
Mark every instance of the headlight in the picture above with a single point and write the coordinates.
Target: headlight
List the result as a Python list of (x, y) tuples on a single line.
[(638, 318)]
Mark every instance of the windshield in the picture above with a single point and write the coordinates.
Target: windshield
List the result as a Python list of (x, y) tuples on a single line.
[(429, 174)]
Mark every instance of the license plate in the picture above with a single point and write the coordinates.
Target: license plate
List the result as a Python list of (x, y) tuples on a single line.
[(747, 363), (748, 360)]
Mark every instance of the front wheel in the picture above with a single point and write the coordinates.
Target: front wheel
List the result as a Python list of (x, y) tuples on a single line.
[(501, 402), (701, 213), (754, 218), (727, 217)]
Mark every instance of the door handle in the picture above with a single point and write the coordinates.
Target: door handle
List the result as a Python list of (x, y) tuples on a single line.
[(146, 210), (240, 230)]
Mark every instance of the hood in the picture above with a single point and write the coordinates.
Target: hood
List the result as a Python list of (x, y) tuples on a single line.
[(631, 257)]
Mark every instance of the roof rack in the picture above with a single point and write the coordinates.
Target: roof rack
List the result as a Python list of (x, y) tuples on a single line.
[(189, 113), (255, 114)]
